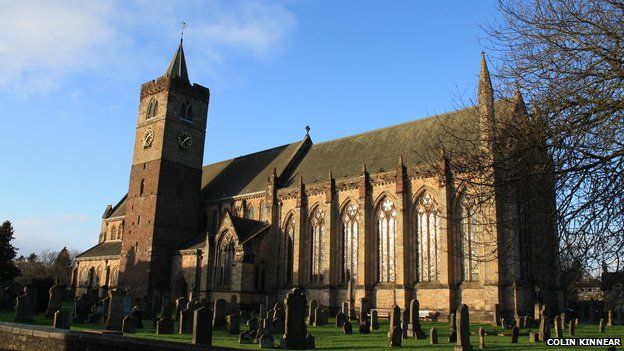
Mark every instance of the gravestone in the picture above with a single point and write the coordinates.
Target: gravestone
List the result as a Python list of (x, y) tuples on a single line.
[(202, 326), (558, 327), (463, 329), (563, 317), (266, 341), (180, 304), (452, 337), (295, 333), (577, 321), (364, 323), (413, 326), (164, 325), (453, 322), (502, 323), (24, 307), (81, 309), (137, 313), (232, 323), (312, 311), (481, 333), (279, 316), (218, 320), (267, 325), (395, 319), (347, 327), (321, 317), (262, 313), (374, 319), (55, 301), (609, 318), (252, 323), (345, 308), (185, 319), (245, 338), (544, 328), (404, 321), (515, 332), (129, 324), (395, 336), (340, 319), (571, 328), (115, 314), (157, 301), (105, 305), (364, 306), (433, 336), (533, 337), (127, 305), (61, 319), (601, 325)]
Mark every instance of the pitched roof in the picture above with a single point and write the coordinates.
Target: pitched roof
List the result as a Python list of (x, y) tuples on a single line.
[(106, 248), (246, 229), (417, 142), (246, 174), (119, 209)]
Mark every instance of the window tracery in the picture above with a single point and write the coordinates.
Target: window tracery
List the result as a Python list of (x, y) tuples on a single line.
[(318, 232), (350, 242), (225, 260), (289, 235), (469, 247), (386, 232), (152, 109), (427, 225)]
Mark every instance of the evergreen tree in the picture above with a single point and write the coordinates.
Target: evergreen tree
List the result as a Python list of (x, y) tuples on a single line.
[(8, 270), (62, 267)]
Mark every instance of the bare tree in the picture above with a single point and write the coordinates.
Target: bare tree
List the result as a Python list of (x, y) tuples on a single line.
[(568, 57)]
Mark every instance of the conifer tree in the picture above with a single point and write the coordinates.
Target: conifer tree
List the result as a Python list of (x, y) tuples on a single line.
[(8, 270)]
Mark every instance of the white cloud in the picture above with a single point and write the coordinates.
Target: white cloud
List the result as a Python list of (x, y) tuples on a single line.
[(37, 233), (42, 42)]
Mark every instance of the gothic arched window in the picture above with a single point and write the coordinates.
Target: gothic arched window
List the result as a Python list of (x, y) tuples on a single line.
[(386, 232), (113, 277), (350, 242), (427, 228), (84, 278), (152, 109), (318, 232), (250, 212), (288, 250), (468, 239), (225, 260), (263, 211)]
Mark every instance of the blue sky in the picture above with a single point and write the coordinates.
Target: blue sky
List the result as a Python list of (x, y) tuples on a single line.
[(71, 73)]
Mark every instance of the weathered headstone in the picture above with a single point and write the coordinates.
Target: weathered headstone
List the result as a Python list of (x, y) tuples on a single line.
[(129, 324), (564, 318), (137, 313), (610, 318), (180, 304), (481, 333), (347, 327), (61, 319), (533, 337), (266, 341), (252, 323), (245, 338), (81, 309), (395, 319), (571, 328), (452, 337), (262, 313), (24, 307), (463, 329), (404, 322), (364, 323), (433, 336), (295, 333), (202, 326), (232, 323), (312, 311), (340, 319), (558, 327), (413, 326), (503, 323), (220, 308), (185, 319), (395, 336), (601, 325), (345, 308), (544, 328), (374, 319), (515, 332), (452, 322), (164, 325), (55, 300), (321, 316), (115, 314), (364, 305)]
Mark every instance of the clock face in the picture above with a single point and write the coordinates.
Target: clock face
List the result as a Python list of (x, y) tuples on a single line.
[(185, 140), (148, 138)]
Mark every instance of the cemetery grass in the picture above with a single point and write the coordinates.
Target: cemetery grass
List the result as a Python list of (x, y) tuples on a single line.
[(329, 337)]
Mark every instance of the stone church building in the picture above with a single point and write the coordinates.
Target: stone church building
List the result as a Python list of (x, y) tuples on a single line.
[(368, 208)]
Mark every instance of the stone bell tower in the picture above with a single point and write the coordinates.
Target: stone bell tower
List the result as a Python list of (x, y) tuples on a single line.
[(164, 194)]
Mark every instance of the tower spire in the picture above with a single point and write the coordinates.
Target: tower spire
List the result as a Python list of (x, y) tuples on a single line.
[(177, 66), (486, 93)]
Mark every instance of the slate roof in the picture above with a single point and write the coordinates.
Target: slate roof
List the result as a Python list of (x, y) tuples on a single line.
[(247, 228), (106, 248)]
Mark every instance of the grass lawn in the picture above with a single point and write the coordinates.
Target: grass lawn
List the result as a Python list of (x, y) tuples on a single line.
[(331, 338)]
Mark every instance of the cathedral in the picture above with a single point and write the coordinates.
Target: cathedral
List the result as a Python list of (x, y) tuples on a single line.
[(364, 215)]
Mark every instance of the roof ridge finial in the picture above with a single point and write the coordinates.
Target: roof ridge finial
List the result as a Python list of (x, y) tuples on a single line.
[(307, 129), (184, 24)]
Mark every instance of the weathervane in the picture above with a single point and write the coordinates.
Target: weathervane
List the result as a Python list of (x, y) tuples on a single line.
[(184, 25)]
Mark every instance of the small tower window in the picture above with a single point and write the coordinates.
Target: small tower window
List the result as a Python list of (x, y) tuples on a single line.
[(152, 109), (142, 187), (186, 112)]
